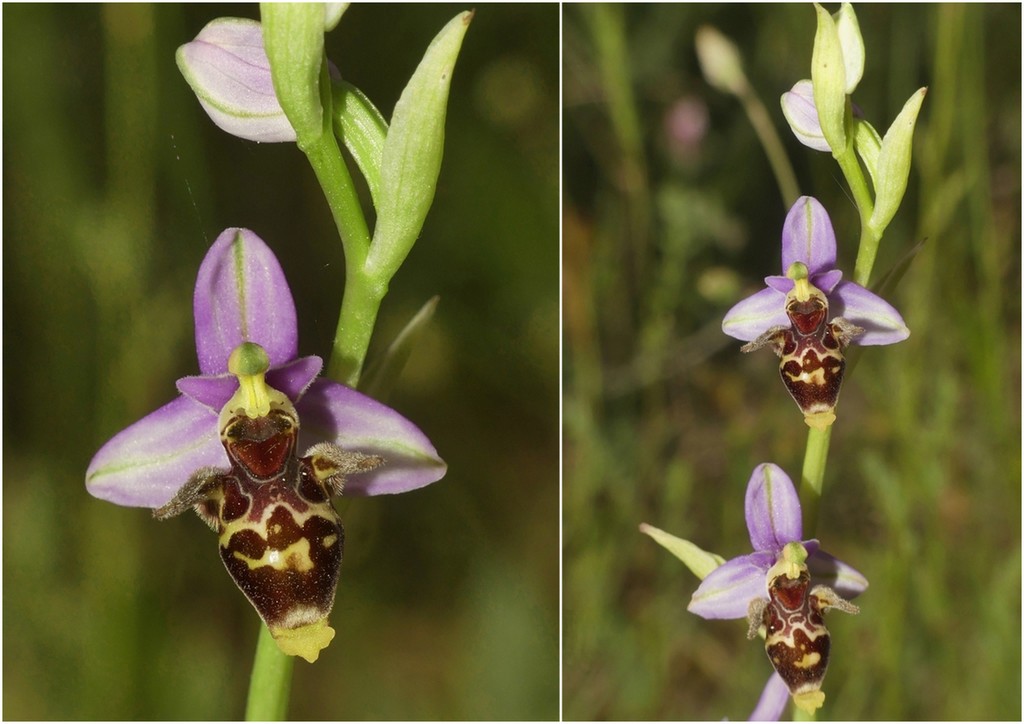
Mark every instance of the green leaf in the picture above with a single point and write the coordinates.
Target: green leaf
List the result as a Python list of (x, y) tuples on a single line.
[(894, 163), (293, 35), (380, 379), (412, 153), (699, 561), (828, 76), (361, 127)]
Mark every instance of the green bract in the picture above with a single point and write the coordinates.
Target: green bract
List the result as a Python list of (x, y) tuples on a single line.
[(293, 35), (852, 44), (868, 143), (332, 14), (361, 127), (698, 560), (412, 152), (894, 163), (828, 75)]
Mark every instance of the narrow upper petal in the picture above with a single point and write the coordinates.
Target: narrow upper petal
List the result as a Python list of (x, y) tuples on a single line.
[(145, 464), (882, 323), (227, 67), (728, 590), (294, 378), (751, 317), (242, 296), (807, 236), (773, 700), (772, 509), (844, 579), (336, 413)]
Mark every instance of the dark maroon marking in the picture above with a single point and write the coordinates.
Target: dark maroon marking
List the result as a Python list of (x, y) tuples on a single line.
[(309, 486), (236, 504), (262, 445), (808, 317)]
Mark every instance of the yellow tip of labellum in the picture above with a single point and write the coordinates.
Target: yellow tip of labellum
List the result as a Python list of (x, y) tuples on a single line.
[(305, 641), (820, 420), (809, 701)]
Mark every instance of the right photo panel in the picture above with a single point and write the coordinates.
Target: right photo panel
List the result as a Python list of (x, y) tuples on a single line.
[(791, 362)]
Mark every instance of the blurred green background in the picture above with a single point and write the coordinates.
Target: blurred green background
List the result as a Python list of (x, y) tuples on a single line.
[(671, 215), (115, 184)]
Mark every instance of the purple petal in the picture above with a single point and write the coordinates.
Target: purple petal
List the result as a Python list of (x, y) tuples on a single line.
[(751, 317), (145, 464), (294, 378), (211, 391), (780, 283), (883, 324), (842, 578), (827, 281), (242, 296), (772, 509), (335, 413), (773, 700), (807, 237), (728, 590), (227, 67)]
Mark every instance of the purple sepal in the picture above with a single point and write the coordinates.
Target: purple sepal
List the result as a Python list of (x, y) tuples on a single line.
[(881, 322), (807, 237), (728, 590), (841, 577), (772, 509), (773, 700), (336, 413), (146, 463), (242, 296), (751, 317)]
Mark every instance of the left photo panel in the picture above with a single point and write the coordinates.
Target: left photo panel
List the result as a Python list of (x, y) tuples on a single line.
[(281, 362)]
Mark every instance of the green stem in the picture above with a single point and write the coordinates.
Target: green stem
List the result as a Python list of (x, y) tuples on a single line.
[(359, 307), (868, 247), (270, 683), (362, 295), (813, 477)]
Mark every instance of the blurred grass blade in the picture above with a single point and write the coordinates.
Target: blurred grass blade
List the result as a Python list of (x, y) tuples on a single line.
[(891, 278), (380, 379)]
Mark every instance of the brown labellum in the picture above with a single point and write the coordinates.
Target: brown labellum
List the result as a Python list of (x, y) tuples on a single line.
[(280, 537), (796, 639), (811, 355)]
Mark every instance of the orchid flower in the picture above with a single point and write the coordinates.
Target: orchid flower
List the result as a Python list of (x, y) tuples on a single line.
[(780, 570), (811, 314), (230, 437)]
